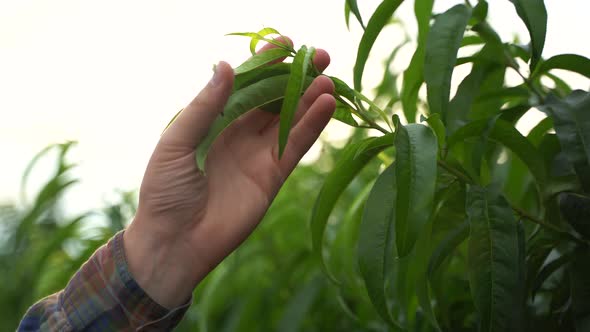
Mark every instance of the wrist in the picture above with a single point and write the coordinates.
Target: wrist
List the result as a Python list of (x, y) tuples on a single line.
[(157, 265)]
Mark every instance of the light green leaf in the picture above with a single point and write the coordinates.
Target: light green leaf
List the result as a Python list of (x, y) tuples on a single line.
[(295, 86), (416, 155), (443, 42), (257, 37), (377, 22), (534, 16), (261, 59), (264, 32), (414, 74), (353, 158), (255, 95), (376, 249), (572, 125), (493, 257), (572, 62)]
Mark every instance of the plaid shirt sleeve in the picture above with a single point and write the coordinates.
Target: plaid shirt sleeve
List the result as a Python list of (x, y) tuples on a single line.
[(102, 296)]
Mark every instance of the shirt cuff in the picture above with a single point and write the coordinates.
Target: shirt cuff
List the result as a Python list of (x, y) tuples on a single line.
[(104, 289)]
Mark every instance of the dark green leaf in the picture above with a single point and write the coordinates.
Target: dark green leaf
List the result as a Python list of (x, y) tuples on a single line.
[(507, 135), (575, 209), (295, 87), (377, 241), (493, 257), (534, 16), (537, 133), (447, 246), (572, 125), (245, 79), (443, 42), (414, 74), (377, 22), (261, 59), (572, 62), (354, 157), (547, 271), (415, 160), (298, 308), (580, 289)]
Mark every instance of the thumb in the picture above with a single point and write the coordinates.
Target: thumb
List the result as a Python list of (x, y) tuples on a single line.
[(194, 121)]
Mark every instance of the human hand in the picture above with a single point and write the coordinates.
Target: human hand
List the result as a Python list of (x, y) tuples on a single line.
[(188, 222)]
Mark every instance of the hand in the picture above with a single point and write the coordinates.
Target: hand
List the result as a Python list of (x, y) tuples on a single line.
[(188, 222)]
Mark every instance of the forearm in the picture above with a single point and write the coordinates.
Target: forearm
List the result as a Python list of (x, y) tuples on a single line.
[(104, 294)]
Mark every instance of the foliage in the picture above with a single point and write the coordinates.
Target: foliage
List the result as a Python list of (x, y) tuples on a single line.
[(451, 220)]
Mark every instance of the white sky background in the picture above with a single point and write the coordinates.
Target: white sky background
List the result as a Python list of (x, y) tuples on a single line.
[(111, 73)]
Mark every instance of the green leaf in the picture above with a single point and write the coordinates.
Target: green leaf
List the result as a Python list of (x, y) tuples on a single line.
[(447, 247), (443, 42), (572, 126), (264, 32), (493, 257), (504, 133), (414, 74), (482, 79), (547, 271), (416, 154), (571, 62), (261, 59), (580, 289), (421, 256), (377, 22), (435, 123), (536, 134), (353, 158), (344, 115), (297, 309), (295, 86), (257, 37), (353, 7), (534, 16), (376, 248), (250, 77), (255, 95), (575, 209)]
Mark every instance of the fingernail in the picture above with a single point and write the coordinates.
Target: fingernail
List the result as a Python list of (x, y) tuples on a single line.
[(216, 79)]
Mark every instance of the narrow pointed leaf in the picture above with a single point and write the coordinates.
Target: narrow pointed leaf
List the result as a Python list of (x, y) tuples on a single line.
[(492, 258), (442, 44), (261, 59), (377, 22), (416, 154), (295, 86), (264, 32), (547, 271), (376, 247), (420, 260), (354, 8), (354, 157), (250, 77), (255, 95), (344, 115), (534, 16), (258, 37)]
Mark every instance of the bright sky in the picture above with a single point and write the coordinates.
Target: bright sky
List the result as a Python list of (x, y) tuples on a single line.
[(110, 74)]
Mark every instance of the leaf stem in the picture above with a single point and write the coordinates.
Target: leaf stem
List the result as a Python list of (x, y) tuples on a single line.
[(528, 83), (525, 215)]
